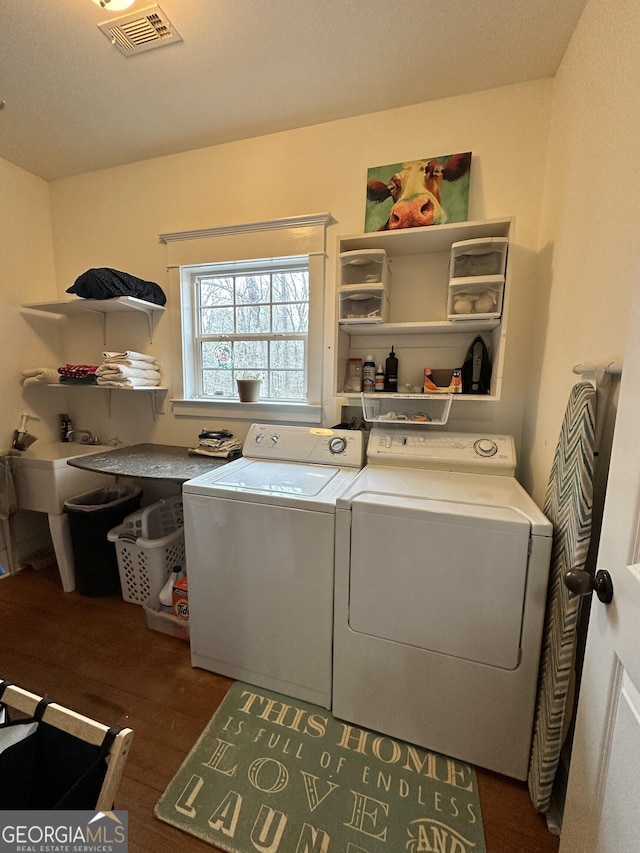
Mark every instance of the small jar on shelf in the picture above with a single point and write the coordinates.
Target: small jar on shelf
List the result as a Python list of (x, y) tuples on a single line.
[(353, 379)]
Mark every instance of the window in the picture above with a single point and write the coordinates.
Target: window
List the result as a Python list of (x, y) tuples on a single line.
[(242, 317), (250, 320)]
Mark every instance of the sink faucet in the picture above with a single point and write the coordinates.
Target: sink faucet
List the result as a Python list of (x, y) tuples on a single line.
[(86, 437)]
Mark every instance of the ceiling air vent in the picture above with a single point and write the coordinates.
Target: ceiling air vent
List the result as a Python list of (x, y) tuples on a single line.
[(140, 31)]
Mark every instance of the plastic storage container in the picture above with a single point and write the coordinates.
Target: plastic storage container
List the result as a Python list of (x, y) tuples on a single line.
[(149, 543), (423, 409), (478, 298), (364, 266), (484, 256), (363, 303), (353, 379), (91, 516), (166, 623)]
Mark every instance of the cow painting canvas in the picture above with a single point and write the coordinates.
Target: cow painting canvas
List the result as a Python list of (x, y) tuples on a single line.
[(418, 193)]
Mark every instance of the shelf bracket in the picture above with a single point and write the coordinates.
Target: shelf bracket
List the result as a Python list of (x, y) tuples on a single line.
[(150, 323)]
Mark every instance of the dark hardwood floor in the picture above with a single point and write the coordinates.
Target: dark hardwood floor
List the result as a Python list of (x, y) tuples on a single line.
[(97, 656)]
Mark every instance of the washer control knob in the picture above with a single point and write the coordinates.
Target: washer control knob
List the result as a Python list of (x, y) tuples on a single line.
[(260, 438), (274, 439), (485, 447), (338, 444)]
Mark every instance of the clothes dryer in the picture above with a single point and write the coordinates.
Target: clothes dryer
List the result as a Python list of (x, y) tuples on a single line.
[(442, 564), (260, 543)]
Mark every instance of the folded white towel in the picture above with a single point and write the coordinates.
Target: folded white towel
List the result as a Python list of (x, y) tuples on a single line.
[(133, 382), (123, 371), (129, 355), (45, 375)]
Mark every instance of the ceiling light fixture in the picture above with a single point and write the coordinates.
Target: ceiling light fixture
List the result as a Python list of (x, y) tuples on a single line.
[(114, 5)]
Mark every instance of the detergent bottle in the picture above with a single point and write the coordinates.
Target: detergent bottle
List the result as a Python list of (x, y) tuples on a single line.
[(165, 596)]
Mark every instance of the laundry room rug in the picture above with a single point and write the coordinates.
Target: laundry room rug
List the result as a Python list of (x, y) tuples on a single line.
[(277, 775)]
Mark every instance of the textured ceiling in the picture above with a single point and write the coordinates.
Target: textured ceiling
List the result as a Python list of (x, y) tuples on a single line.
[(246, 68)]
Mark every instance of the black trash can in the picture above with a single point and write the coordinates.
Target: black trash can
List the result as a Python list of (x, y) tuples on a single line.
[(91, 517)]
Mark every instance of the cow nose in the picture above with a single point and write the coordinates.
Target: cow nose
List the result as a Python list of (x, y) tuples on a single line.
[(412, 214)]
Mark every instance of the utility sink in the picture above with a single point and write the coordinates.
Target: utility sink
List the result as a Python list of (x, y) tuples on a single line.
[(44, 481)]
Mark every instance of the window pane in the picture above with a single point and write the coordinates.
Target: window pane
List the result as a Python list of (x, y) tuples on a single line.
[(287, 354), (250, 355), (216, 291), (291, 317), (216, 321), (291, 287), (218, 354), (263, 375), (251, 289), (254, 320), (287, 384), (218, 383)]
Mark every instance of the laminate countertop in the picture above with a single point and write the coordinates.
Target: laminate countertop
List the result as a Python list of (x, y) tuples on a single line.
[(149, 461)]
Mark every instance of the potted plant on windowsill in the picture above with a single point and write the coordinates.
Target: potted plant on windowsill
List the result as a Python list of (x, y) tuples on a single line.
[(249, 389)]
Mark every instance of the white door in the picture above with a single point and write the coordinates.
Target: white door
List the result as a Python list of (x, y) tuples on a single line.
[(603, 800)]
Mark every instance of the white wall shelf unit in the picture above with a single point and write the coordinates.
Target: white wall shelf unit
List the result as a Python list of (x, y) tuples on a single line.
[(418, 326), (157, 392), (103, 307)]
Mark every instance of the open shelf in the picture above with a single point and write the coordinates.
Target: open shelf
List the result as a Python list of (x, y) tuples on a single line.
[(157, 398), (420, 323), (118, 304), (419, 328), (432, 238)]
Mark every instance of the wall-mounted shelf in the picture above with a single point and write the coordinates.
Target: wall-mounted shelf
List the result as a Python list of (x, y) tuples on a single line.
[(157, 391), (433, 238), (421, 328), (418, 324), (119, 304)]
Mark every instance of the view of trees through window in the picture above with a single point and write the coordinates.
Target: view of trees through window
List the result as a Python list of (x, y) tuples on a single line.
[(254, 325)]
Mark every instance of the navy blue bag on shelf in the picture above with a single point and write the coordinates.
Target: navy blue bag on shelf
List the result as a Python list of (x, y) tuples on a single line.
[(106, 283)]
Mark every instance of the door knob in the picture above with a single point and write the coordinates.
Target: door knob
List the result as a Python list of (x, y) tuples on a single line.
[(582, 583)]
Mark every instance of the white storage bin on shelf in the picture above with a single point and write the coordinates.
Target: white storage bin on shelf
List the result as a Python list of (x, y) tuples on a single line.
[(149, 543), (477, 298), (365, 266), (363, 304), (484, 256), (426, 409)]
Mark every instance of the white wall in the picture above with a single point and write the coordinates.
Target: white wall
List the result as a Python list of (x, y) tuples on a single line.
[(27, 271), (113, 218), (590, 238)]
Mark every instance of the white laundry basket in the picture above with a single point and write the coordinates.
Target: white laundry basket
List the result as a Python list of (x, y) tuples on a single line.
[(149, 543)]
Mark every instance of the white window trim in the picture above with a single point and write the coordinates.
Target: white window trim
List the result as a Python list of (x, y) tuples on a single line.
[(300, 235)]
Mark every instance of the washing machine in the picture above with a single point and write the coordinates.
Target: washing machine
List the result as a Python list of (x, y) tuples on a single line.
[(260, 543), (442, 563)]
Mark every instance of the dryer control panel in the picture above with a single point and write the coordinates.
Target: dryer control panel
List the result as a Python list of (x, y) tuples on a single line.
[(445, 451)]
